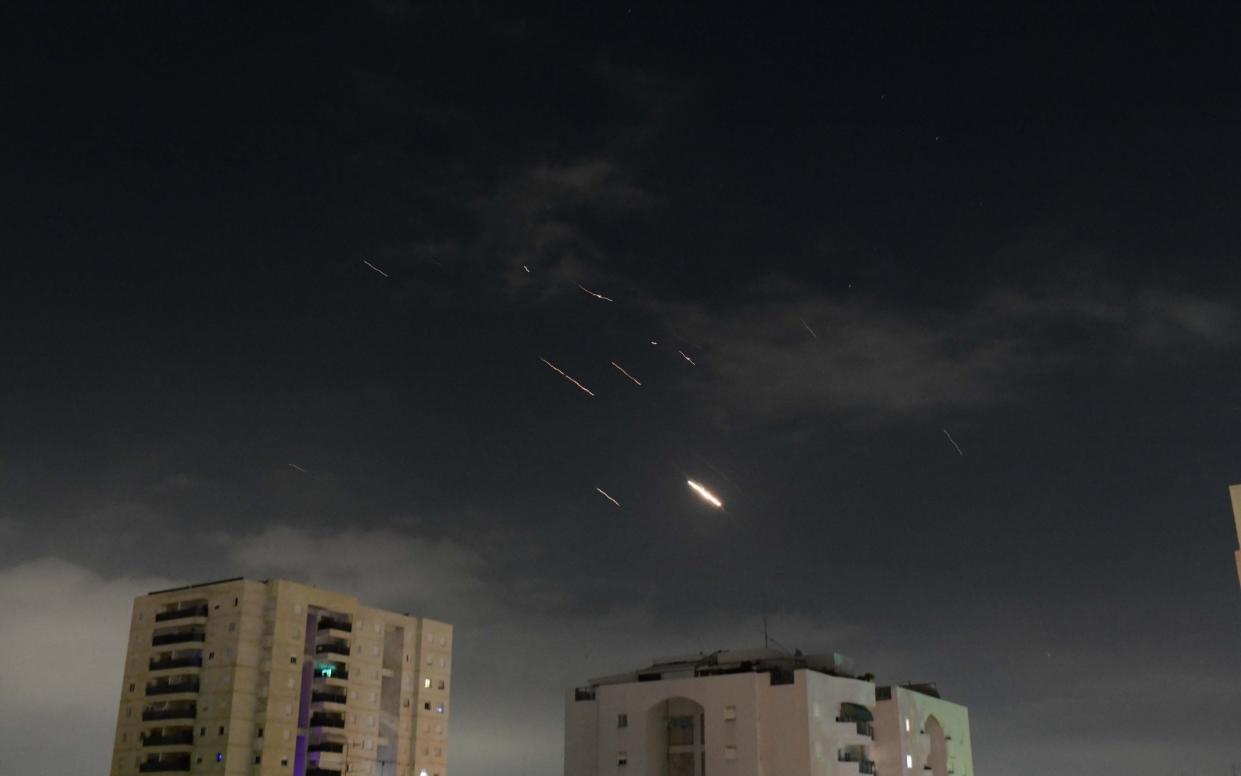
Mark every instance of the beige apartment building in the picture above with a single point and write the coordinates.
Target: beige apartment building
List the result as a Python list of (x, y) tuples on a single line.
[(761, 712), (274, 678), (1235, 492)]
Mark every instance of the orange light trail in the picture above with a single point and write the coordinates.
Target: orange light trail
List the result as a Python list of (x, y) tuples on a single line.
[(562, 373), (626, 374)]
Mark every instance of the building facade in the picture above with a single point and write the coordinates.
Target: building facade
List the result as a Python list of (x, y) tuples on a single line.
[(275, 678), (761, 713), (1235, 492)]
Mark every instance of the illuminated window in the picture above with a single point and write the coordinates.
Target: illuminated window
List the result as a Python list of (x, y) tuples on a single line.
[(426, 683), (909, 761), (906, 724)]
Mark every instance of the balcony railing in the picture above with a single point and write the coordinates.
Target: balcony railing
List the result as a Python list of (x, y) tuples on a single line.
[(172, 739), (164, 766), (168, 689), (864, 727), (175, 662), (321, 772), (335, 647), (866, 766), (182, 712), (328, 697), (182, 613), (326, 746), (177, 638), (327, 623), (323, 720)]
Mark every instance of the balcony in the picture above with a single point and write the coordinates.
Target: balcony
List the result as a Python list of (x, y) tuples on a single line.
[(195, 661), (182, 613), (326, 720), (172, 687), (165, 765), (177, 638), (324, 696), (170, 739), (864, 727), (332, 648), (327, 623), (330, 671), (866, 766), (326, 746), (179, 712)]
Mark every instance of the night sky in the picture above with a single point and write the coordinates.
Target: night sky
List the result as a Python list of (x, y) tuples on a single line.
[(868, 229)]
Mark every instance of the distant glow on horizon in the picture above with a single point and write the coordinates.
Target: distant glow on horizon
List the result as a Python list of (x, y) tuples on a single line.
[(706, 494)]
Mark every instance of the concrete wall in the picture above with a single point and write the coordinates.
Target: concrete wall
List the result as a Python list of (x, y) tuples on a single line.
[(901, 735)]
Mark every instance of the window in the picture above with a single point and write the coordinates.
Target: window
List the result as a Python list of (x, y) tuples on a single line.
[(258, 758), (293, 660), (129, 712), (124, 737), (232, 627), (427, 705), (439, 708), (219, 757), (730, 753), (131, 686), (210, 655), (622, 720), (441, 684), (236, 601), (906, 724), (202, 731), (284, 761), (407, 703), (221, 730), (229, 652), (425, 683), (730, 712), (909, 761), (260, 733), (374, 651), (622, 758)]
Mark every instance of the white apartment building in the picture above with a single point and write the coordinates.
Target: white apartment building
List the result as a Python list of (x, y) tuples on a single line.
[(761, 712), (273, 678)]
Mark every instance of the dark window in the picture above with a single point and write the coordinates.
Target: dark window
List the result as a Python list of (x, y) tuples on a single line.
[(260, 732), (622, 720), (221, 730), (292, 660), (235, 602)]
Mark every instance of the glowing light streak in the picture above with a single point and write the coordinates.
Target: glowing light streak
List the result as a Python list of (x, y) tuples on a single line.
[(626, 374), (707, 495), (300, 469), (953, 441), (563, 374), (604, 493), (687, 358), (595, 295), (377, 269), (803, 323)]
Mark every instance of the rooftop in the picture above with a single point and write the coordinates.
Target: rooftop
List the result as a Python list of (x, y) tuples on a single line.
[(765, 660)]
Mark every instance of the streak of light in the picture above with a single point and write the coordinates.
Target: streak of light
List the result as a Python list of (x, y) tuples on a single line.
[(803, 323), (300, 469), (595, 295), (604, 493), (953, 441), (626, 374), (377, 269), (687, 358), (707, 495), (562, 373), (653, 342), (527, 269)]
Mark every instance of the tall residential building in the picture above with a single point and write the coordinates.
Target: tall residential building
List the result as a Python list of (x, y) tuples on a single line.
[(761, 712), (1235, 492), (274, 678)]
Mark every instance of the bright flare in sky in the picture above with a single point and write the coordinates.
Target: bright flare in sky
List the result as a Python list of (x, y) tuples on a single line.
[(707, 495)]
